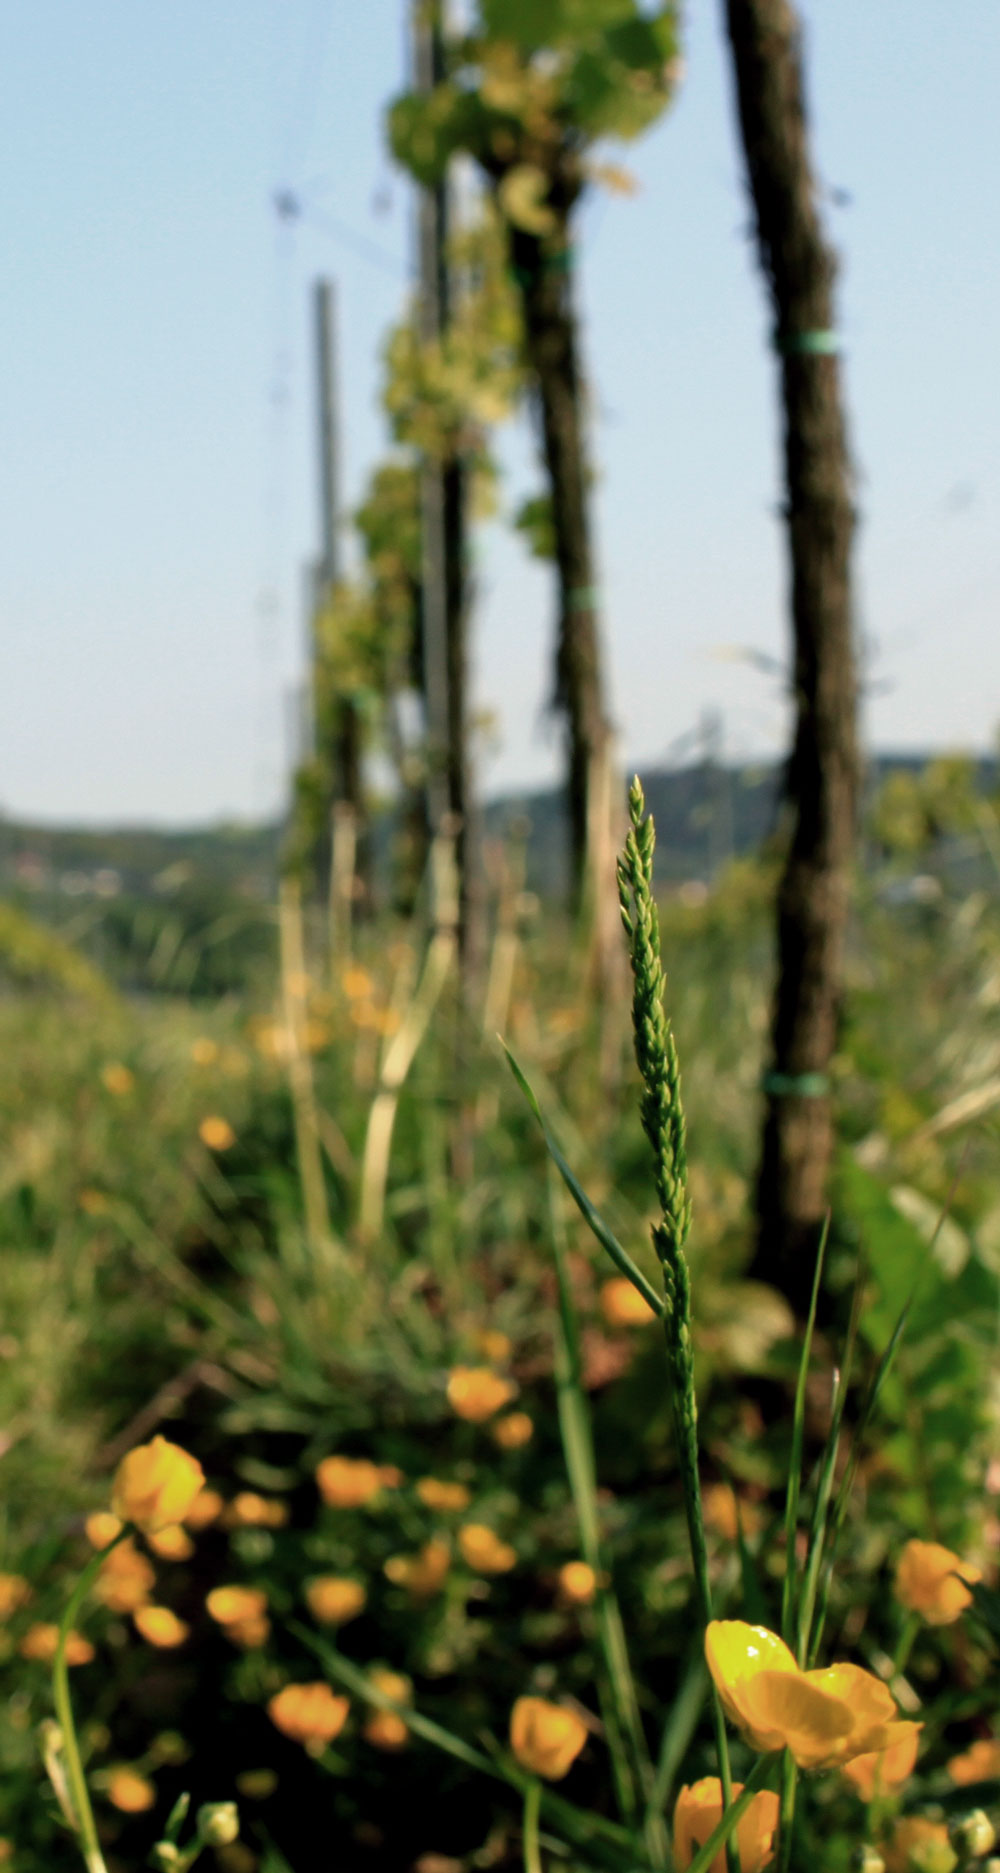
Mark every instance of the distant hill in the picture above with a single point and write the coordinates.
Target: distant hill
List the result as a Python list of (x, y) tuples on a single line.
[(705, 814)]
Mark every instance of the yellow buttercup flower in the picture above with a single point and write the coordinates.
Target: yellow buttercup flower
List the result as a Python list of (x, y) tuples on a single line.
[(726, 1513), (348, 1482), (824, 1717), (912, 1835), (171, 1544), (248, 1633), (231, 1606), (117, 1079), (15, 1592), (494, 1345), (386, 1729), (205, 1509), (309, 1713), (437, 1494), (577, 1582), (125, 1579), (927, 1582), (484, 1551), (216, 1133), (546, 1738), (248, 1510), (40, 1642), (979, 1763), (130, 1792), (155, 1485), (333, 1600), (698, 1813), (512, 1431), (101, 1528), (160, 1627), (476, 1392), (622, 1305), (878, 1772), (423, 1573)]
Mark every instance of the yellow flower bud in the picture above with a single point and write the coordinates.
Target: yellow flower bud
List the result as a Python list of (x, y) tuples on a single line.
[(217, 1823), (155, 1485), (546, 1738)]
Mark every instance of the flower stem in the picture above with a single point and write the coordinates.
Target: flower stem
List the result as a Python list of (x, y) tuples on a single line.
[(532, 1803), (79, 1793), (905, 1646), (786, 1819)]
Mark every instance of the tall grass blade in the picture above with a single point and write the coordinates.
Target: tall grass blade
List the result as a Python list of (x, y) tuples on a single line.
[(789, 1609), (622, 1260)]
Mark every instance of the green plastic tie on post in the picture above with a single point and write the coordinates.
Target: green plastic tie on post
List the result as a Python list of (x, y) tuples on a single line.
[(824, 344), (796, 1085), (582, 598)]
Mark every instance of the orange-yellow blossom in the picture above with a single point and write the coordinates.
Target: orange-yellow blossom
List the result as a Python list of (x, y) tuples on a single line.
[(348, 1482), (513, 1430), (698, 1813), (823, 1717), (15, 1592), (205, 1509), (386, 1729), (101, 1528), (878, 1772), (622, 1305), (160, 1627), (423, 1573), (309, 1713), (476, 1392), (436, 1493), (979, 1763), (130, 1792), (125, 1579), (484, 1551), (908, 1837), (40, 1642), (333, 1600), (248, 1510), (577, 1582), (216, 1133), (927, 1582), (155, 1485), (546, 1738), (171, 1544), (231, 1606)]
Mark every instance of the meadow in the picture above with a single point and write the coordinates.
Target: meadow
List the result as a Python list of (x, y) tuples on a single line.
[(308, 1231)]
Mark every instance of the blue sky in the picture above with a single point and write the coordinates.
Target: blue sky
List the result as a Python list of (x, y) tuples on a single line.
[(158, 481)]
